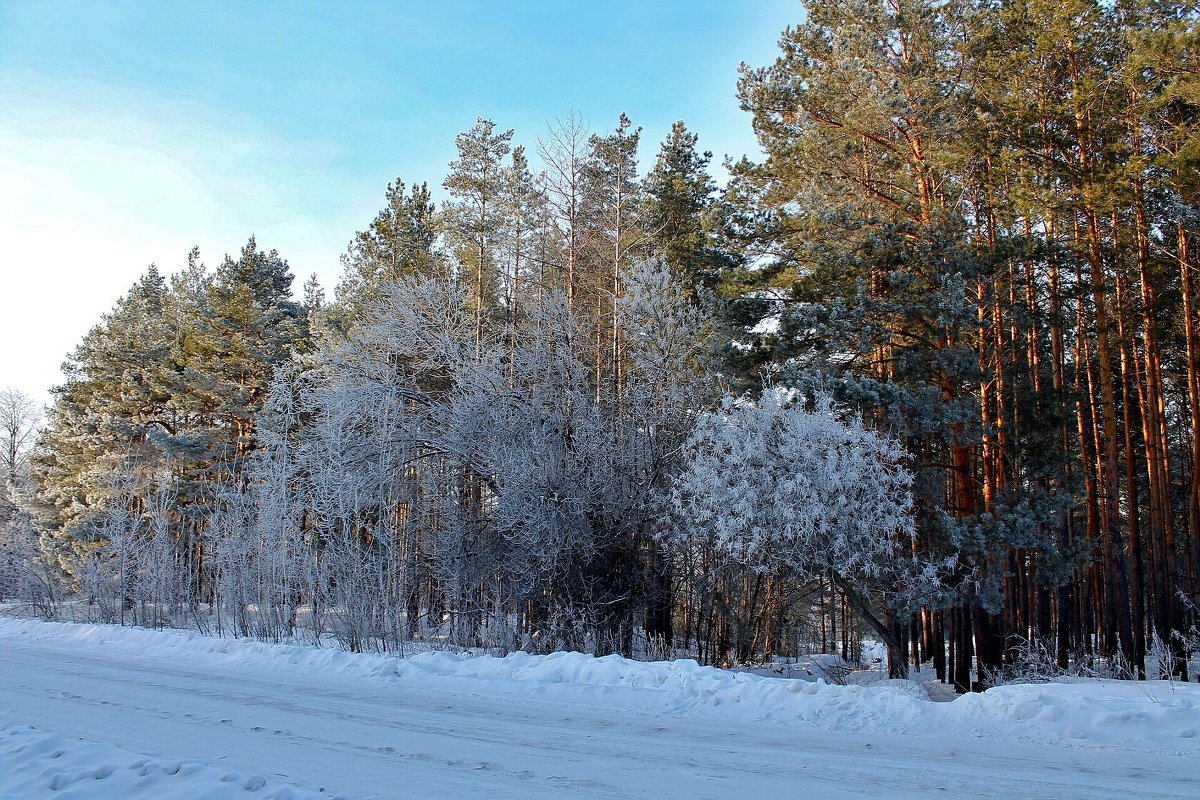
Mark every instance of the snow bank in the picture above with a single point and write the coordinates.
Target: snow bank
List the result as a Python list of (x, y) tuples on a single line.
[(1150, 716), (38, 764)]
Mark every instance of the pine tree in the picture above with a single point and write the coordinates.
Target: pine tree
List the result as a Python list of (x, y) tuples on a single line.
[(857, 207), (400, 242), (250, 326), (160, 400), (478, 185), (116, 396), (611, 202), (678, 209)]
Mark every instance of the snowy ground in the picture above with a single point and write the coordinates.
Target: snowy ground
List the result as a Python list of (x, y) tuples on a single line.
[(97, 712)]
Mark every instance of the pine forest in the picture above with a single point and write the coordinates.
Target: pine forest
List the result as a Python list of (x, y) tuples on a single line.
[(925, 371)]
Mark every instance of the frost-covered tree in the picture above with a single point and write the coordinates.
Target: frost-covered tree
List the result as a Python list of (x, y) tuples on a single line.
[(132, 567), (564, 152), (473, 483), (19, 418), (161, 396), (24, 571), (807, 494)]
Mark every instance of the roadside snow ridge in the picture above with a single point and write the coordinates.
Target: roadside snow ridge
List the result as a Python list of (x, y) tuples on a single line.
[(1150, 716)]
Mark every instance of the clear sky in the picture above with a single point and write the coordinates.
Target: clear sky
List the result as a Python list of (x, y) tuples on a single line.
[(131, 131)]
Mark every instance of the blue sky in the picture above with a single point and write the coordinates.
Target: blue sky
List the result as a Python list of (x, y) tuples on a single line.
[(131, 131)]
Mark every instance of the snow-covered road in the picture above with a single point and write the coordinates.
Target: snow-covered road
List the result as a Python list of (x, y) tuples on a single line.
[(363, 735)]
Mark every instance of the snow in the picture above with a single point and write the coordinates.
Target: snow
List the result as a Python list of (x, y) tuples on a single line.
[(123, 712), (37, 764)]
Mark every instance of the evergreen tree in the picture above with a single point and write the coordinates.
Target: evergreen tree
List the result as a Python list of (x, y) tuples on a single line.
[(400, 242), (478, 184), (118, 391), (611, 202), (678, 214), (250, 326), (160, 400)]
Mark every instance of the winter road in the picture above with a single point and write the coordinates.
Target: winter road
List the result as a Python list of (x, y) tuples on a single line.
[(362, 738)]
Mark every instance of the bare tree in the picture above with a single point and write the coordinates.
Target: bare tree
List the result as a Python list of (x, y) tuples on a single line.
[(564, 150), (19, 419)]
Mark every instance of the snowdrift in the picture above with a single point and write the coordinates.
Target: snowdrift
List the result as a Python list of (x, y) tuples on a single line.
[(1154, 716)]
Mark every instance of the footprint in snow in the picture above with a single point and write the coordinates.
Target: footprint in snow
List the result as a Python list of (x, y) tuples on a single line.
[(59, 781)]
